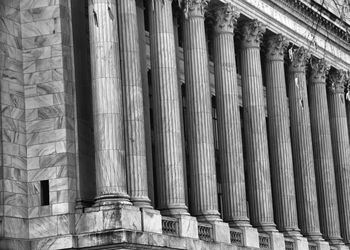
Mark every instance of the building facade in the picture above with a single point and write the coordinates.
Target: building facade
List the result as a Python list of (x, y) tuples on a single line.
[(161, 124)]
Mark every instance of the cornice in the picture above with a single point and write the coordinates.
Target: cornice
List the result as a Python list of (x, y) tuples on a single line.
[(318, 16)]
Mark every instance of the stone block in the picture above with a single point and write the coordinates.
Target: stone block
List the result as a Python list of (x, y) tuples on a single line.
[(188, 226), (125, 217), (151, 220), (323, 245), (221, 232), (301, 243), (342, 247), (277, 240), (250, 237)]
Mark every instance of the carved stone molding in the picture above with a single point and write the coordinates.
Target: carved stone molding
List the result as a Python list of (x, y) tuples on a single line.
[(225, 18), (275, 47), (195, 7), (252, 33), (319, 70), (337, 80), (298, 58)]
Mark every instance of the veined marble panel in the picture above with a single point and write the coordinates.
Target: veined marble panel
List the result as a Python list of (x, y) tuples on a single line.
[(40, 13), (59, 184), (12, 100), (13, 199), (9, 12), (44, 40), (15, 186), (15, 211), (10, 27), (50, 87), (38, 77), (42, 64), (19, 161), (39, 28), (41, 149), (14, 174), (66, 242), (10, 41), (42, 227), (43, 174), (11, 52), (12, 76), (36, 54), (12, 112), (31, 4), (53, 160), (15, 227), (13, 124), (33, 163), (13, 137), (11, 3)]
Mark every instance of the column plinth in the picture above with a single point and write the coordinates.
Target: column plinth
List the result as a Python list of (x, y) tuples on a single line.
[(167, 127), (229, 124), (279, 138), (136, 161), (323, 155), (107, 103), (341, 147), (204, 203), (257, 161), (303, 161)]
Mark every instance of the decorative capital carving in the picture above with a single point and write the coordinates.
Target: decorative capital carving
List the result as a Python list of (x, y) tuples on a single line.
[(298, 58), (225, 18), (337, 80), (319, 70), (275, 47), (252, 33), (195, 7)]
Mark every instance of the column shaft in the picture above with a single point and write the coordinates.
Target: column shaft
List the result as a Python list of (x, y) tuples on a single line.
[(341, 150), (204, 202), (279, 138), (257, 161), (167, 130), (136, 161), (302, 148), (229, 124), (107, 101), (323, 156)]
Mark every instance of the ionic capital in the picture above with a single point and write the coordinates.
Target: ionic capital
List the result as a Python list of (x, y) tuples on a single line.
[(298, 58), (319, 70), (337, 80), (275, 47), (194, 8), (225, 18), (252, 33)]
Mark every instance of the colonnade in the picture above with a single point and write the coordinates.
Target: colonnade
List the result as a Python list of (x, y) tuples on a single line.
[(298, 171)]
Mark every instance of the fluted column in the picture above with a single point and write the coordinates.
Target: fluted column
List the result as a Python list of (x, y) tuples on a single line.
[(341, 148), (204, 202), (134, 122), (167, 127), (323, 155), (107, 102), (303, 160), (229, 124), (279, 137), (257, 161)]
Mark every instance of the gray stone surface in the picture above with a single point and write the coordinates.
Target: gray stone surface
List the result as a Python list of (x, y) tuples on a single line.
[(255, 134), (279, 137), (203, 195), (323, 155), (341, 148), (305, 180), (229, 124)]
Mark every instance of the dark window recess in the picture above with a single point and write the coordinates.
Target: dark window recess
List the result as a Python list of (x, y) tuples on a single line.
[(45, 193)]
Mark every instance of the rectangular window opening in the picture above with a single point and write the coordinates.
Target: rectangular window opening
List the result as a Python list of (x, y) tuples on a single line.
[(45, 193)]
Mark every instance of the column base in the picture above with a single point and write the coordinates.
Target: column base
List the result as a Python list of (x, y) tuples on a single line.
[(112, 199), (267, 228), (300, 242), (151, 220), (141, 202), (173, 211), (209, 216)]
